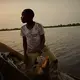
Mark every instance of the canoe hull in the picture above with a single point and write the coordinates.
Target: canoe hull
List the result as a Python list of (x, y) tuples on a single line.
[(10, 72)]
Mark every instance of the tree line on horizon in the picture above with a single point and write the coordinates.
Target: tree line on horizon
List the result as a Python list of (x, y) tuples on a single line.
[(60, 25)]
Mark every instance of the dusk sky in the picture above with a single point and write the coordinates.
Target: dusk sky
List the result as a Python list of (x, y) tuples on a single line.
[(47, 12)]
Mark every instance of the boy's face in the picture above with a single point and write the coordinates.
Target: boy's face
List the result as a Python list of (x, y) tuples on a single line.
[(26, 18)]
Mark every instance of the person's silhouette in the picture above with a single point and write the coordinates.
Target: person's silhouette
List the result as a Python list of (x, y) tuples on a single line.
[(33, 37)]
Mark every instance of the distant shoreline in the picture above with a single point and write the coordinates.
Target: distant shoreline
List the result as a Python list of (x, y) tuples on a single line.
[(56, 26)]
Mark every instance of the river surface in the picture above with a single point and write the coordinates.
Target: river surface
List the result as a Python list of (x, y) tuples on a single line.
[(63, 42)]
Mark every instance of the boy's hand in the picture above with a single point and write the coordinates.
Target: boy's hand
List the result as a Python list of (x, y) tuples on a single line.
[(26, 59)]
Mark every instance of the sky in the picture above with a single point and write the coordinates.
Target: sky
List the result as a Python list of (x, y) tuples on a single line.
[(47, 12)]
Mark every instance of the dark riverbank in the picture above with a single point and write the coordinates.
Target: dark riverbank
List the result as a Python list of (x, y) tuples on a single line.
[(56, 26)]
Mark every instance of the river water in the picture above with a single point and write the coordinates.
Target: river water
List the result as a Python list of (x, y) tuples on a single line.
[(63, 42)]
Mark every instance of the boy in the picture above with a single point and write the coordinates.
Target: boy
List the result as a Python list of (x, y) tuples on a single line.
[(33, 37)]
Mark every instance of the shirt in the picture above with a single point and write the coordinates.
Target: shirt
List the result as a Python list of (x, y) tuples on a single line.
[(32, 35)]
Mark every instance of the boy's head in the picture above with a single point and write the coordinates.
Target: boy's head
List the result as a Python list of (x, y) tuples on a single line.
[(27, 15)]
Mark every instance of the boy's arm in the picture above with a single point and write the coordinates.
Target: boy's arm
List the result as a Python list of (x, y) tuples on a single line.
[(25, 50), (42, 41), (25, 45), (24, 40)]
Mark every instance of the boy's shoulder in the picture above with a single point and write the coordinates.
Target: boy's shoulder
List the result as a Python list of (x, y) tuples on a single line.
[(23, 26), (39, 24)]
